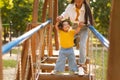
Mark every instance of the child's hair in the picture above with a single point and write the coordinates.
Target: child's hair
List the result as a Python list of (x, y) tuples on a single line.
[(60, 25)]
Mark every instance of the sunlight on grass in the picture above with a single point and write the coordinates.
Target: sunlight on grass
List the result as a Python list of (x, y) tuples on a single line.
[(9, 63)]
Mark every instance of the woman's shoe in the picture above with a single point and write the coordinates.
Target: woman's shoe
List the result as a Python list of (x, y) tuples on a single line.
[(81, 71)]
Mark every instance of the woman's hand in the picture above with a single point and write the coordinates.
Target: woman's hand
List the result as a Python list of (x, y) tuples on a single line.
[(81, 24), (59, 18)]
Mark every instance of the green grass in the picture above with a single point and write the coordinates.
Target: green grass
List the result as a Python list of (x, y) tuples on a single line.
[(101, 71), (9, 63), (14, 51)]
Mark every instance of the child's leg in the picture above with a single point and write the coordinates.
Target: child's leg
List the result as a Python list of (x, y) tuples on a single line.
[(72, 61), (60, 64)]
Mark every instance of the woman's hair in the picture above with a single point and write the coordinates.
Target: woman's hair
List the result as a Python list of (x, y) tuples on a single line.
[(88, 13), (72, 1), (60, 25)]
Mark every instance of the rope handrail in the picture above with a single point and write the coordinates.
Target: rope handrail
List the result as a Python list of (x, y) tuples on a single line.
[(102, 39), (10, 45)]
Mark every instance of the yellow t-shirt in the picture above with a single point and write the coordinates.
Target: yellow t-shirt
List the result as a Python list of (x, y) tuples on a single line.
[(66, 38)]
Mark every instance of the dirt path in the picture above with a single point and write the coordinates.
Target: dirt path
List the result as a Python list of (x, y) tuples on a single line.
[(9, 73)]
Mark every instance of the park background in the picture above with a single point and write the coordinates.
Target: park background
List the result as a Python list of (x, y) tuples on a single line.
[(16, 14)]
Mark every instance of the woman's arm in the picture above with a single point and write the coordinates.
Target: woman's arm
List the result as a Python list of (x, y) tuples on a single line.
[(80, 25), (64, 15)]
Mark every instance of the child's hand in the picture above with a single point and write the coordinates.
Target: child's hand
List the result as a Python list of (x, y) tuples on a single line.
[(59, 18), (57, 23), (80, 25)]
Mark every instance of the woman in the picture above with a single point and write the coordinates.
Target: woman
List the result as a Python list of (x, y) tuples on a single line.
[(79, 12)]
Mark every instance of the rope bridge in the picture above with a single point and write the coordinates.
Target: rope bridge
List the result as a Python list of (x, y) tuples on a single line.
[(30, 63)]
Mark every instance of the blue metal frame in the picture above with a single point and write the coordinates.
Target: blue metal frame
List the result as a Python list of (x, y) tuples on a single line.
[(102, 39), (10, 45)]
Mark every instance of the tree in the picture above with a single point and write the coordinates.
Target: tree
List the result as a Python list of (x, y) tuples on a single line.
[(19, 12), (101, 13), (62, 5)]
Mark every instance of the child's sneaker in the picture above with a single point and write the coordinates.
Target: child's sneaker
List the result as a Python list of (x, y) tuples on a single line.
[(81, 71), (54, 72)]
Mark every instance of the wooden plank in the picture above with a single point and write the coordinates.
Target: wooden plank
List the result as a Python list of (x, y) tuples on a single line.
[(114, 53), (45, 76), (48, 67), (53, 60)]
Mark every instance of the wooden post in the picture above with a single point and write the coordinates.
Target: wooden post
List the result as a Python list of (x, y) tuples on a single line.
[(1, 68), (34, 23), (35, 11), (33, 38), (43, 19), (44, 10), (49, 39), (113, 72), (24, 55), (55, 13)]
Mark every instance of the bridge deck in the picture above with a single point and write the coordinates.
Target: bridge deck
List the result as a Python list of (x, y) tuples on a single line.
[(65, 76)]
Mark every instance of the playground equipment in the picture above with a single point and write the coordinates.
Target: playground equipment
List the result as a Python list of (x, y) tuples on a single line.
[(37, 40)]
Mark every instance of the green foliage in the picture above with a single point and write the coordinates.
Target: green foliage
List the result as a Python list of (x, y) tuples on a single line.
[(62, 5), (20, 13), (9, 63), (101, 12), (40, 11), (1, 4)]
